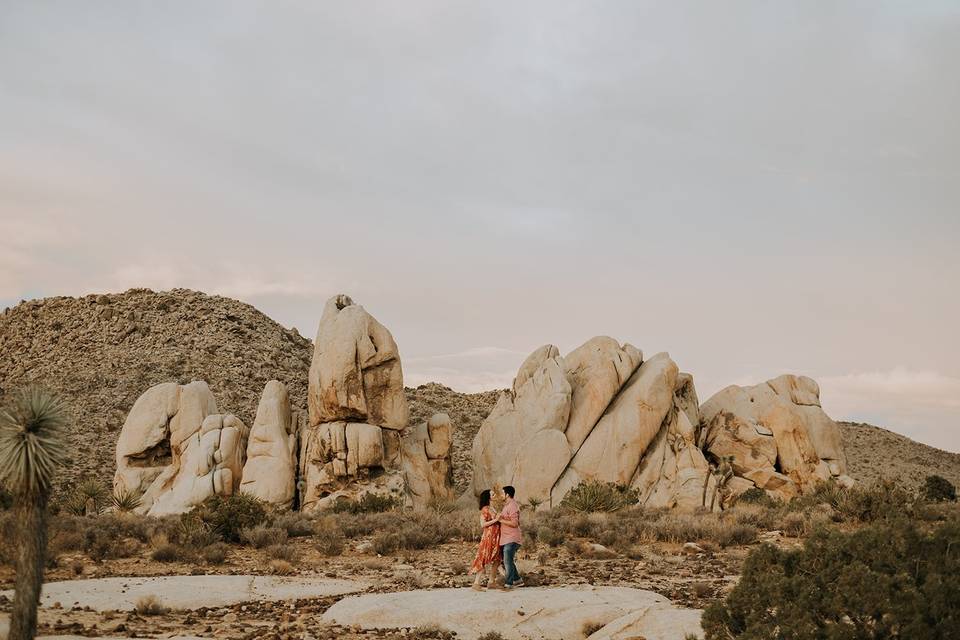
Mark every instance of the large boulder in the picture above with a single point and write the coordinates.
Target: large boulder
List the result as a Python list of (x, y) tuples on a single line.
[(270, 472), (175, 450), (355, 374), (427, 467), (598, 414), (345, 460), (775, 435)]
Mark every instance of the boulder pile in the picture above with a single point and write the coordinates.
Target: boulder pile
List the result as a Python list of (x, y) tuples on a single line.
[(604, 414), (175, 450)]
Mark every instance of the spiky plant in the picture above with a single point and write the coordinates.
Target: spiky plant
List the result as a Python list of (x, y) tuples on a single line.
[(32, 425), (125, 500)]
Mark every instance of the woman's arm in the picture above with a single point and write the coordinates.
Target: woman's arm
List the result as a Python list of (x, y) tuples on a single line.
[(487, 523)]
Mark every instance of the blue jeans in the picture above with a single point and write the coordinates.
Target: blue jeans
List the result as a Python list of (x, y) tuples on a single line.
[(509, 551)]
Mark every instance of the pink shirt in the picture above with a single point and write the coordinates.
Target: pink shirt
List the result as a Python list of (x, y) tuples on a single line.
[(510, 534)]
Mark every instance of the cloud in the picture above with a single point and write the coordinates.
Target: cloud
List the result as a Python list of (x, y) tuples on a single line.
[(923, 405), (24, 246)]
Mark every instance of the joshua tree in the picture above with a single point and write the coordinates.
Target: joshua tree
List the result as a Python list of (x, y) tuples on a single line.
[(32, 423)]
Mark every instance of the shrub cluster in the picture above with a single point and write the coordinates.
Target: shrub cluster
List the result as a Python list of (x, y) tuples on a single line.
[(886, 580), (368, 503), (939, 489), (226, 517), (592, 496)]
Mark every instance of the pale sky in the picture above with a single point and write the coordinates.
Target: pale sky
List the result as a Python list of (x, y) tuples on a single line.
[(755, 187)]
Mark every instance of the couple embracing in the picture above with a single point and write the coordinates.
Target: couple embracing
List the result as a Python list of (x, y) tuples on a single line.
[(499, 542)]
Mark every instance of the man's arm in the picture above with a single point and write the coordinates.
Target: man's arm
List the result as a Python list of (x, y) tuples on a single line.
[(511, 520)]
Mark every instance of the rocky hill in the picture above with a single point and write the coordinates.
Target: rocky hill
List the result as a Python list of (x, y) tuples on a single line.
[(102, 351)]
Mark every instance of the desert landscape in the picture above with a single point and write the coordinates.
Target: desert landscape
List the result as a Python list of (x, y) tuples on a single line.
[(380, 546)]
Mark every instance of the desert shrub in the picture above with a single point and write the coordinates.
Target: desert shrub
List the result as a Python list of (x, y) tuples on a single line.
[(107, 536), (884, 500), (194, 533), (215, 553), (368, 503), (330, 539), (794, 524), (281, 568), (886, 580), (492, 635), (150, 606), (442, 507), (357, 525), (728, 534), (591, 496), (169, 553), (756, 495), (283, 552), (296, 524), (760, 516), (89, 498), (550, 536), (939, 489), (431, 632), (227, 517), (124, 500), (262, 536)]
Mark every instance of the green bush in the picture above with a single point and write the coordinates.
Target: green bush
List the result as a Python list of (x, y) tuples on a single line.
[(885, 500), (227, 517), (887, 580), (939, 489), (592, 496)]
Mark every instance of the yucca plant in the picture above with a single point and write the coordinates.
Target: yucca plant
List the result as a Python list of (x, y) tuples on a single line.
[(125, 500), (95, 496), (32, 425)]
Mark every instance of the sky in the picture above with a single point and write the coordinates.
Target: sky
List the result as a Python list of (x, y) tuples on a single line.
[(755, 187)]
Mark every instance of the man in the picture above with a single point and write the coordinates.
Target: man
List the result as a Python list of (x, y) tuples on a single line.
[(510, 537)]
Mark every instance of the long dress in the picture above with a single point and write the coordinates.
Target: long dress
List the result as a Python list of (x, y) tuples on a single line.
[(488, 551)]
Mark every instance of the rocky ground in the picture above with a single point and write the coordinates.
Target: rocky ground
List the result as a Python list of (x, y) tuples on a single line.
[(102, 351)]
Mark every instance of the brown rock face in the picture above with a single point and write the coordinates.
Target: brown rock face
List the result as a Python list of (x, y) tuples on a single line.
[(427, 469)]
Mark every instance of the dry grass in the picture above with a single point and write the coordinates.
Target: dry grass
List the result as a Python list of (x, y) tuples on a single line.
[(150, 606), (281, 568)]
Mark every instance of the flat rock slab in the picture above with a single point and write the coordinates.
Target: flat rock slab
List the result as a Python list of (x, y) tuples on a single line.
[(188, 592), (540, 613)]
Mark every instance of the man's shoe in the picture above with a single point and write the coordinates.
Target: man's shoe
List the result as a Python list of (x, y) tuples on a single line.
[(518, 583)]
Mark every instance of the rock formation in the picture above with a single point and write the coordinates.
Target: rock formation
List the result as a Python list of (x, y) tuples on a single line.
[(427, 468), (601, 413), (175, 450), (357, 408), (775, 436), (271, 469)]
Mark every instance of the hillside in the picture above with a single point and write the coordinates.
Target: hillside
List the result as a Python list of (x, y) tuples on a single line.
[(102, 351)]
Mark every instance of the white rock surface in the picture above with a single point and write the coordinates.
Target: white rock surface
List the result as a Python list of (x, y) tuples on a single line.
[(271, 467), (535, 613), (355, 374), (189, 592)]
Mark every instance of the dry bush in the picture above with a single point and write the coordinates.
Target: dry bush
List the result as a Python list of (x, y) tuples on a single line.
[(591, 496), (295, 523), (329, 536), (359, 525), (215, 553), (283, 552), (150, 606), (702, 589), (757, 515), (431, 632), (262, 536), (170, 553), (281, 568)]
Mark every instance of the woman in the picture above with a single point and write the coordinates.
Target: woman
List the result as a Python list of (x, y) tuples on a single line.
[(488, 552)]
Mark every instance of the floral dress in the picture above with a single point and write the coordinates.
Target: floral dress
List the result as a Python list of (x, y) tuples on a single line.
[(488, 552)]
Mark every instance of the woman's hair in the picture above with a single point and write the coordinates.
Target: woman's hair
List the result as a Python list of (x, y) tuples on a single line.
[(484, 498)]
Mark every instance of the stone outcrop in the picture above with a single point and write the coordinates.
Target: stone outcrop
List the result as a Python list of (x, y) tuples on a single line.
[(775, 435), (601, 413), (357, 409), (270, 472), (175, 450), (427, 468), (356, 372)]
